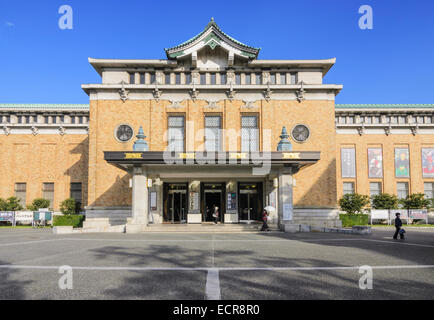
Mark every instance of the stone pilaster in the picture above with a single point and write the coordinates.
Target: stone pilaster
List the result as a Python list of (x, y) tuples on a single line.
[(285, 205), (140, 210)]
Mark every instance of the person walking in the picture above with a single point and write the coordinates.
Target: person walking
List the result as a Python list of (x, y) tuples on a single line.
[(215, 213), (398, 225), (264, 221)]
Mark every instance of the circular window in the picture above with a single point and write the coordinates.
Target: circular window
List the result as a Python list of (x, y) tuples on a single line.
[(300, 133), (124, 133)]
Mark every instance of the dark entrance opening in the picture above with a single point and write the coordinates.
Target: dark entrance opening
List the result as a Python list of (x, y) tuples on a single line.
[(175, 203), (250, 204), (213, 195)]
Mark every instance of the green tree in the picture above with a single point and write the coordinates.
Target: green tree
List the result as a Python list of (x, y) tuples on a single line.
[(68, 206), (415, 201), (3, 205), (384, 201), (13, 204), (353, 202), (39, 203)]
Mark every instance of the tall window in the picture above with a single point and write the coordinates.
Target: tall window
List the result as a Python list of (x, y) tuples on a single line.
[(348, 187), (238, 78), (167, 78), (153, 78), (48, 192), (178, 78), (187, 78), (20, 192), (202, 78), (249, 133), (176, 133), (428, 188), (293, 78), (402, 188), (272, 78), (75, 193), (283, 78), (213, 125), (132, 78), (374, 188), (142, 78)]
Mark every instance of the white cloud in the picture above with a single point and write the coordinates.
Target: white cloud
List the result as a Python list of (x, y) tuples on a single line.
[(10, 24)]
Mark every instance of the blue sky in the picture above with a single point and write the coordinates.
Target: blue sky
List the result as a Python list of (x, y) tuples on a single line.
[(392, 63)]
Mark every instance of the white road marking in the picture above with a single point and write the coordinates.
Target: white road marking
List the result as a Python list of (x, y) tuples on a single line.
[(26, 242), (93, 268), (212, 288)]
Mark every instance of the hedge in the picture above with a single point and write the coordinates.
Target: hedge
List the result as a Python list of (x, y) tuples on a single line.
[(75, 220), (349, 220)]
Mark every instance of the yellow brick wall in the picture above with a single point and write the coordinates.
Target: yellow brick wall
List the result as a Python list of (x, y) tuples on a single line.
[(388, 143), (40, 159), (108, 186)]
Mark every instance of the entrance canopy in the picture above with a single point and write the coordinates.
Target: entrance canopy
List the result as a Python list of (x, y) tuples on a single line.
[(127, 159)]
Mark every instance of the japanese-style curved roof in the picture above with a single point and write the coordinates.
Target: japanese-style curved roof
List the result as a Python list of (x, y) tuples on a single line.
[(212, 36)]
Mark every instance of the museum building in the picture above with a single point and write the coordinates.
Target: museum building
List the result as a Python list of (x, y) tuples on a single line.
[(165, 141)]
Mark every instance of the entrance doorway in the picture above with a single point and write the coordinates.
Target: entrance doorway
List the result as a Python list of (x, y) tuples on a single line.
[(213, 195), (250, 202), (175, 203)]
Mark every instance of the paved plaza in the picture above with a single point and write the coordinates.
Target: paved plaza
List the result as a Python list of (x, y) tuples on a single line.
[(216, 266)]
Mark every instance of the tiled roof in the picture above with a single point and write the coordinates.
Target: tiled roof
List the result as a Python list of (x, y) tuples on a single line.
[(383, 106), (43, 106), (212, 23)]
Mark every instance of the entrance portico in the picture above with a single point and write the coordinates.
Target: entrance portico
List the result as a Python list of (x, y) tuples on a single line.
[(175, 189)]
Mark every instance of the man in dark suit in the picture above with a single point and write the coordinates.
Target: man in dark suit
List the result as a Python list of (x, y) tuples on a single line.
[(398, 225)]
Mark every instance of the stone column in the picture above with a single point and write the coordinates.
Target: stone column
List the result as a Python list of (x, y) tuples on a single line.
[(140, 212), (285, 197)]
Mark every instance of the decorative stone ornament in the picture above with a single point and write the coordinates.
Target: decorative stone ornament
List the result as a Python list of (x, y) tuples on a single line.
[(361, 129), (194, 93), (231, 93), (124, 133), (34, 130), (300, 93), (7, 130), (123, 93), (388, 129), (300, 133), (62, 131), (414, 129), (140, 144), (268, 92), (157, 93), (284, 143)]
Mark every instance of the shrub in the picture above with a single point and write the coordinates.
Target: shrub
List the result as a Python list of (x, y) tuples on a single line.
[(11, 204), (39, 203), (75, 220), (415, 201), (350, 219), (384, 201), (68, 206), (353, 202)]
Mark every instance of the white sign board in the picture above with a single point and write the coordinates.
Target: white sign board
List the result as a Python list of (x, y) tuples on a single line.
[(22, 216)]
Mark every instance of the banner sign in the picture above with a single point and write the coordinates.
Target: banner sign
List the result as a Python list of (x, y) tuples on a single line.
[(348, 162), (24, 216), (402, 163), (419, 214), (428, 162), (7, 216), (403, 213), (375, 163)]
